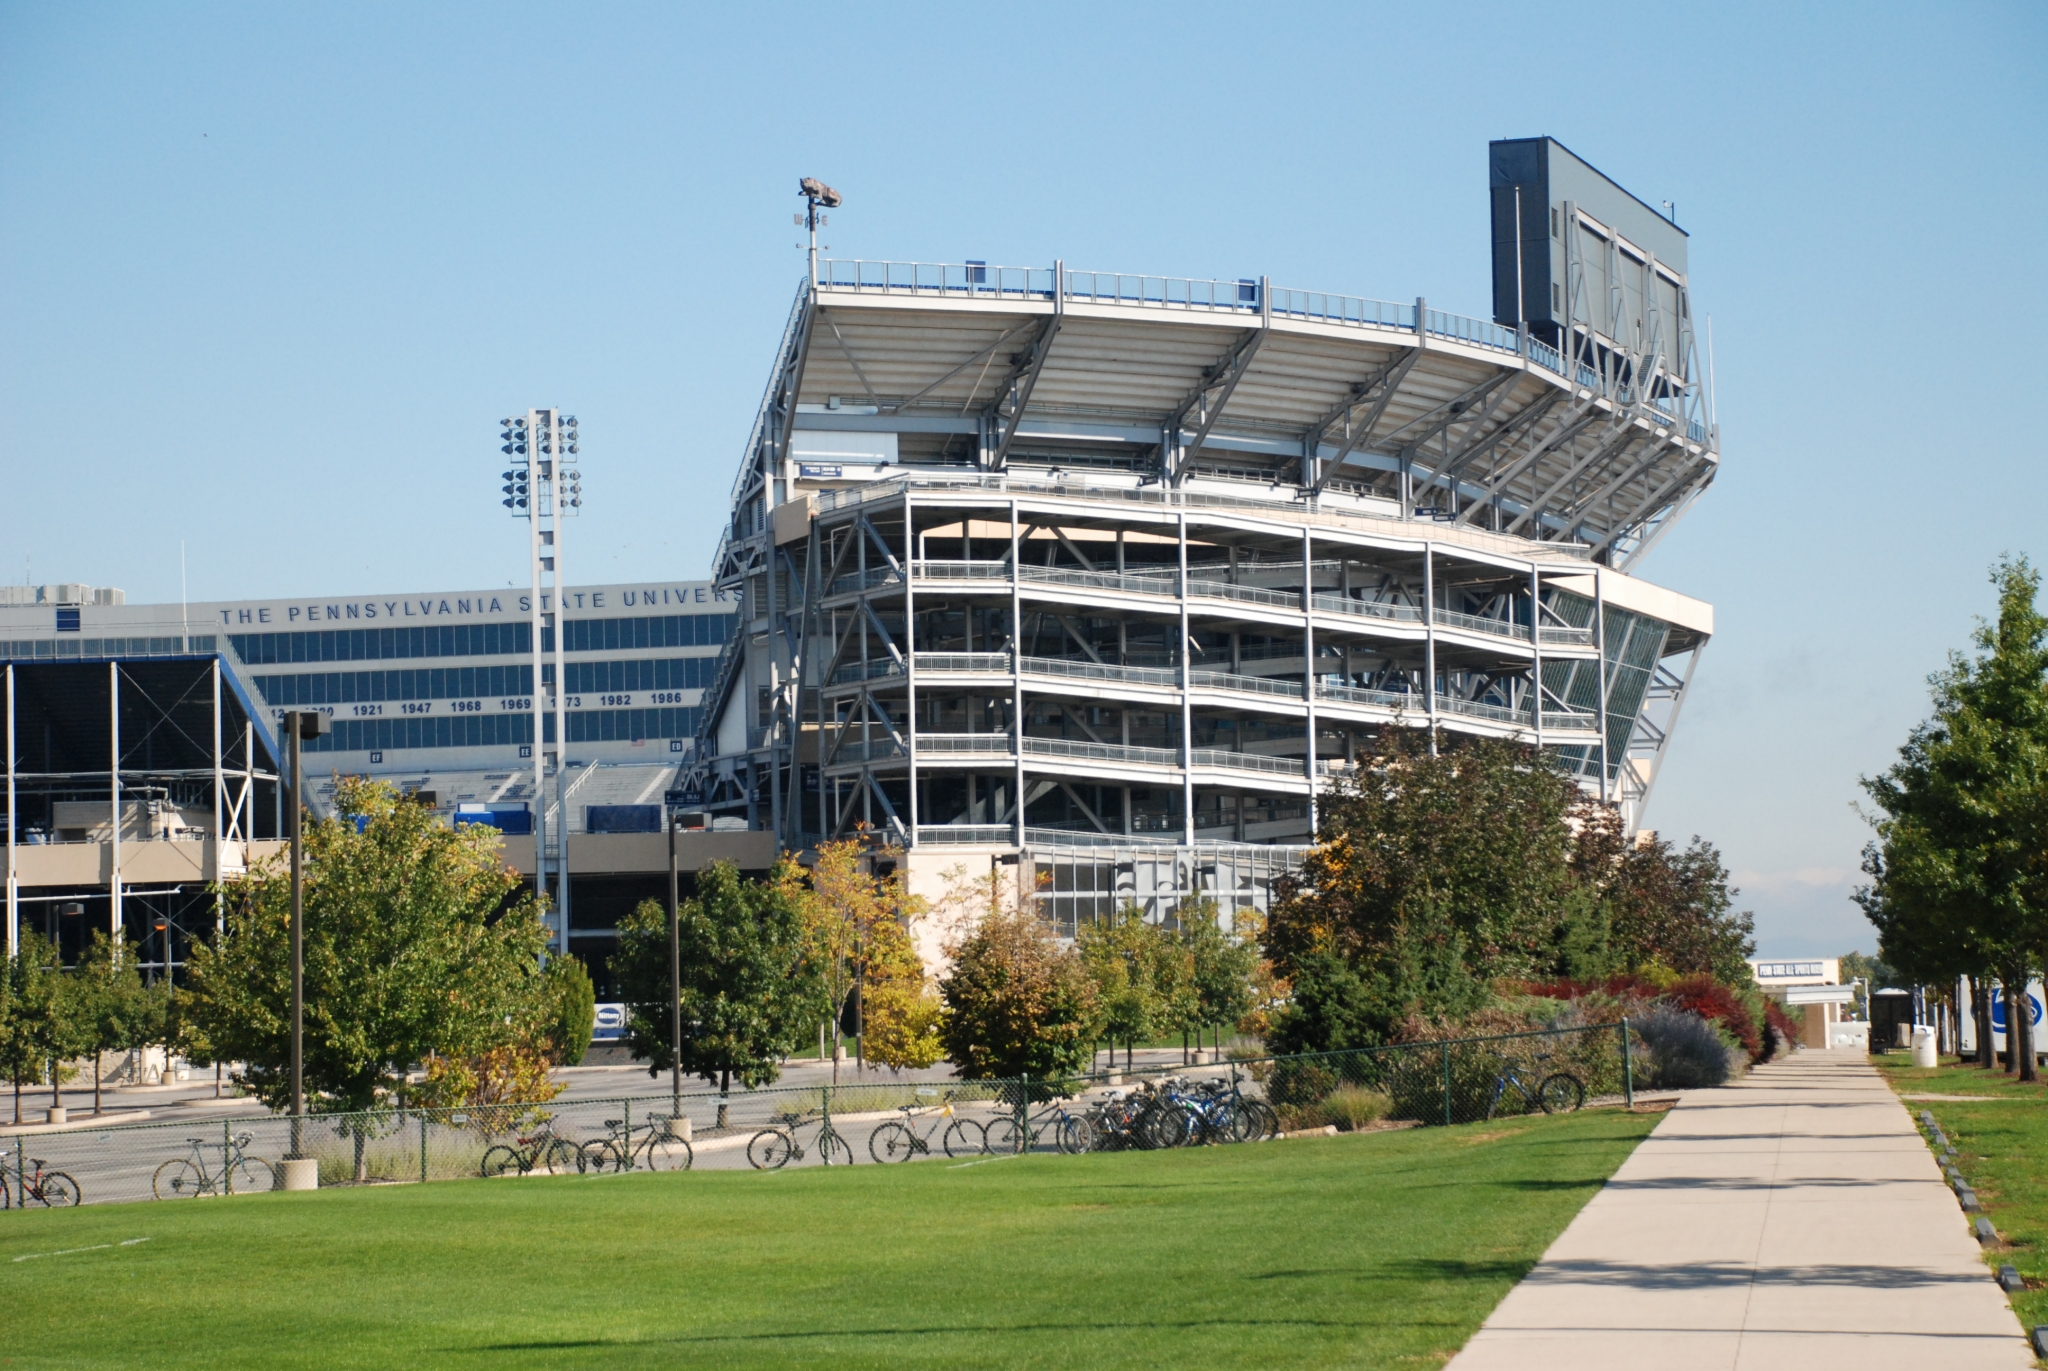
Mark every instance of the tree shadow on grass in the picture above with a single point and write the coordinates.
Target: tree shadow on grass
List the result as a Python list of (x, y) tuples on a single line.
[(955, 1330)]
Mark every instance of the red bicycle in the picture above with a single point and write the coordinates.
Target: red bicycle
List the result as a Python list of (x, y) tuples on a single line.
[(50, 1189)]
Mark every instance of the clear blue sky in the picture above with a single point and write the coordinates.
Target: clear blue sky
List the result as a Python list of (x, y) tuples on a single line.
[(269, 274)]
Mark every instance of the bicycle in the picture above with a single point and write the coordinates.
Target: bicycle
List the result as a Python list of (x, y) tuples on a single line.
[(542, 1151), (1213, 1112), (897, 1140), (775, 1146), (1071, 1133), (50, 1189), (618, 1151), (190, 1177), (1558, 1093)]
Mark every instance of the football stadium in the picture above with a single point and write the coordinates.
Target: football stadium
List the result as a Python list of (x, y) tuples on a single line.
[(1107, 575)]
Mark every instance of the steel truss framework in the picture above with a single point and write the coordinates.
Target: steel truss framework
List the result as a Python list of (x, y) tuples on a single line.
[(1143, 560), (165, 749)]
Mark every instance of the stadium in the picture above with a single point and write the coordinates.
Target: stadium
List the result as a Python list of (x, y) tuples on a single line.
[(1103, 578), (1107, 576), (144, 754)]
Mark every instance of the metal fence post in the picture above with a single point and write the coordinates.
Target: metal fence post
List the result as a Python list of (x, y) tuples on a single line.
[(1024, 1114), (423, 1147), (1447, 1083), (1628, 1071), (628, 1144)]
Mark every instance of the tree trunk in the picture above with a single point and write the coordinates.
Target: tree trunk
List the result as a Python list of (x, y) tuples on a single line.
[(2022, 1013), (362, 1164), (56, 1086), (724, 1087), (96, 1081), (1980, 1010), (17, 1101)]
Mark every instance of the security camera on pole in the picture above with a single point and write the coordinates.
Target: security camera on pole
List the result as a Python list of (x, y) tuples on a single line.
[(543, 487)]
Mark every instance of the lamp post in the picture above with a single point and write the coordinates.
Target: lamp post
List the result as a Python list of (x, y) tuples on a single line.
[(299, 725), (675, 975), (543, 486)]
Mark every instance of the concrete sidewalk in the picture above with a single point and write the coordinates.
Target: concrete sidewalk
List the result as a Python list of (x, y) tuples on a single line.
[(1794, 1220)]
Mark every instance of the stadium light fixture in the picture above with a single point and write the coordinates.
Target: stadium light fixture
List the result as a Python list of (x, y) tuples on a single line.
[(544, 486), (817, 195)]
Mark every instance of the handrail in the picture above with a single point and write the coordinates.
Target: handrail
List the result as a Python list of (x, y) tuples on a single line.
[(1368, 609), (865, 671), (1251, 685), (980, 663), (1252, 595), (1363, 695), (1473, 623), (1098, 671), (1101, 752)]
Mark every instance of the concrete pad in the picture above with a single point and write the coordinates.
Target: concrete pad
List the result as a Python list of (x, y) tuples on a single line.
[(1795, 1219)]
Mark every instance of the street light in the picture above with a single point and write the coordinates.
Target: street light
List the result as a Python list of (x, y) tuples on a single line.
[(675, 976), (300, 725)]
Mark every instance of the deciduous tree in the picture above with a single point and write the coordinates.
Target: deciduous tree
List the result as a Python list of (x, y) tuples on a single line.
[(752, 987), (415, 947), (1959, 869)]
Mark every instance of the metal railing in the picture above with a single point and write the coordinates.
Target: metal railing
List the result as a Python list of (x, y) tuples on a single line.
[(1158, 583), (1250, 595), (958, 570), (965, 834), (847, 672), (863, 580), (1073, 750), (978, 663), (849, 750), (1473, 623), (1163, 292), (1226, 760), (966, 744), (1367, 609), (1099, 671), (1381, 699), (1250, 685)]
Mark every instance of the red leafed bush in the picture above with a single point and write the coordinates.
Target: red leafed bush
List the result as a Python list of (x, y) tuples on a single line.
[(1775, 1017), (1717, 1004)]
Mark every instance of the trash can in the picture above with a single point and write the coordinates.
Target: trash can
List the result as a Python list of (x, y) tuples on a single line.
[(1923, 1046)]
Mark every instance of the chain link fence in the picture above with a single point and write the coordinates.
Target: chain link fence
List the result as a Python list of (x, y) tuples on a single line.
[(1244, 1098)]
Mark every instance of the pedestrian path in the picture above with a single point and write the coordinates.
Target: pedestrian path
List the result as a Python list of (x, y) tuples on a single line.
[(1796, 1219)]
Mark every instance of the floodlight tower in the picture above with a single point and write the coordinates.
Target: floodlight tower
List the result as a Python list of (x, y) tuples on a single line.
[(543, 487), (817, 195)]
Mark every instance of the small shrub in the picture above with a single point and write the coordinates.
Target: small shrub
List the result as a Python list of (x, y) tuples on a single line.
[(1352, 1107), (1686, 1053)]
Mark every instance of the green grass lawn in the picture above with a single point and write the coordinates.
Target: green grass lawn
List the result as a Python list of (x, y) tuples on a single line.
[(2002, 1147), (1374, 1250)]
